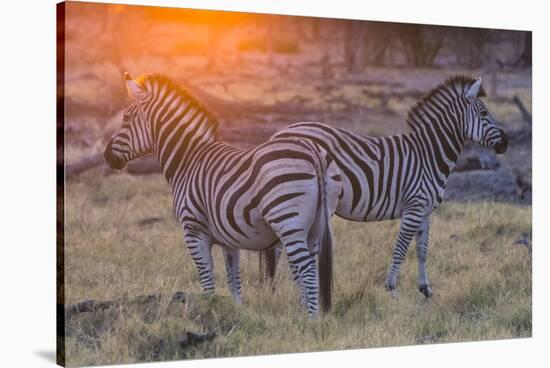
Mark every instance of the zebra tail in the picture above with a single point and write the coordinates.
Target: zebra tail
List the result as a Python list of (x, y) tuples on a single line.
[(325, 273), (268, 265), (325, 264)]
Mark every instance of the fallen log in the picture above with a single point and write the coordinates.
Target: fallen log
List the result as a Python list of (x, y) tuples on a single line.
[(91, 306), (526, 115), (476, 185), (144, 166), (85, 164), (520, 136), (476, 163), (524, 182), (474, 158)]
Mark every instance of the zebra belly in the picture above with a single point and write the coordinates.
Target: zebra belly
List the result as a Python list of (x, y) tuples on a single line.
[(362, 213), (260, 237)]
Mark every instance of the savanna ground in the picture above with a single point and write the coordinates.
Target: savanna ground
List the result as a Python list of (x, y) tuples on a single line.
[(121, 239), (481, 280)]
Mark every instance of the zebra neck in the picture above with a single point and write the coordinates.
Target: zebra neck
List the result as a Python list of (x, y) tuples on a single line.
[(177, 147), (440, 148)]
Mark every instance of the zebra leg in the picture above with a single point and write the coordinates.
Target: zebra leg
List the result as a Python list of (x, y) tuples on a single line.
[(304, 263), (269, 259), (231, 257), (200, 248), (298, 281), (422, 242), (411, 220)]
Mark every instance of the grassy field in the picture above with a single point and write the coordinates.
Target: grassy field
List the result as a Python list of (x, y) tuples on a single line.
[(122, 241)]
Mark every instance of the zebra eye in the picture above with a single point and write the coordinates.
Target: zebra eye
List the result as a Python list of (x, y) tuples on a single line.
[(125, 118), (483, 113)]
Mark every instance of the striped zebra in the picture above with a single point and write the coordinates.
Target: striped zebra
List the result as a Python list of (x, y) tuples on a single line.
[(281, 192), (404, 176)]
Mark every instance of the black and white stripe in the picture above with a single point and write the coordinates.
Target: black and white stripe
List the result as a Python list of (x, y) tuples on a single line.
[(404, 176), (281, 191)]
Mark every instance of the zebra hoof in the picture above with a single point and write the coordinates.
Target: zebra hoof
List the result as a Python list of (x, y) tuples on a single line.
[(390, 287), (313, 315), (426, 290)]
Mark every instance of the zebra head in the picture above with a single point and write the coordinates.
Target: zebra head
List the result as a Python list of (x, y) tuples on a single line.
[(134, 138), (480, 126)]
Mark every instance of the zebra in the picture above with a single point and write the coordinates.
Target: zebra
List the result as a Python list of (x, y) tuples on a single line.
[(404, 176), (280, 192)]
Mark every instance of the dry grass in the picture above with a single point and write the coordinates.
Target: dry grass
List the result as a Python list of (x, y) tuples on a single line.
[(481, 280)]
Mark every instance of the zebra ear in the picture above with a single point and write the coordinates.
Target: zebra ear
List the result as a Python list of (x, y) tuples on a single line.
[(473, 91), (135, 91)]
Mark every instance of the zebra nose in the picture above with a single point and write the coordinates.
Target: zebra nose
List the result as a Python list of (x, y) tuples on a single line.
[(113, 161), (502, 146)]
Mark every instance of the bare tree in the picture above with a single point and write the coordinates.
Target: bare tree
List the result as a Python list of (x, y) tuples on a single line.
[(526, 57), (355, 51), (420, 44)]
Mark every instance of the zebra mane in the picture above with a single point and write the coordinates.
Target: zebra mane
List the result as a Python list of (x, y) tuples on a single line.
[(163, 80), (455, 83)]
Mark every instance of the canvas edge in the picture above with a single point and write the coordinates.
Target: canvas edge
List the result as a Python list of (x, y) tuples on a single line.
[(60, 179)]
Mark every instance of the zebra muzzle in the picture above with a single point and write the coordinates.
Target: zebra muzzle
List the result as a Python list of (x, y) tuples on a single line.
[(502, 146), (113, 161)]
